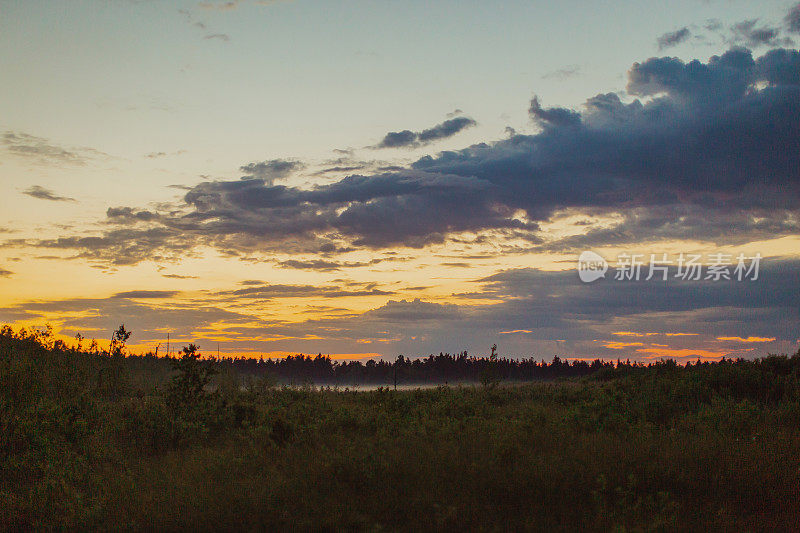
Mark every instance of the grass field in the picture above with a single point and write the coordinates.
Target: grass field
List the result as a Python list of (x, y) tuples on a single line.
[(101, 441)]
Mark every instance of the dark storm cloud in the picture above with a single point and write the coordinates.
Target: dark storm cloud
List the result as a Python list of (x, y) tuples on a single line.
[(37, 191), (555, 117), (410, 139), (673, 38), (415, 311), (704, 136), (680, 221), (448, 128), (395, 139), (780, 67), (413, 207), (705, 150), (272, 169), (606, 299), (557, 306), (793, 19), (553, 306), (723, 80), (559, 300), (127, 213)]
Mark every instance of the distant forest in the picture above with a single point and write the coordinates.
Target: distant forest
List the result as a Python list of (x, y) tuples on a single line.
[(444, 368)]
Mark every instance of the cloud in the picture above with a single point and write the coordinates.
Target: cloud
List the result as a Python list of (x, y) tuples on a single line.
[(411, 139), (396, 139), (563, 73), (157, 155), (127, 213), (141, 294), (5, 273), (747, 33), (100, 316), (446, 129), (747, 339), (189, 18), (706, 151), (41, 193), (414, 311), (324, 265), (272, 291), (528, 312), (219, 36), (540, 313), (270, 170), (673, 38), (43, 151), (315, 264), (753, 34), (553, 117), (221, 6), (793, 19), (557, 305), (231, 5), (351, 168)]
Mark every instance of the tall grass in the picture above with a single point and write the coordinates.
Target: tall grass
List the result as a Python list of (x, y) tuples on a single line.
[(97, 441)]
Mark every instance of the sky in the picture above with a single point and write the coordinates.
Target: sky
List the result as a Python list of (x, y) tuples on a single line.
[(368, 179)]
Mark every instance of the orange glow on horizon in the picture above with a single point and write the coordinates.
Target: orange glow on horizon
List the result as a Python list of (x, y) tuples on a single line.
[(620, 345), (681, 353), (284, 355), (747, 339)]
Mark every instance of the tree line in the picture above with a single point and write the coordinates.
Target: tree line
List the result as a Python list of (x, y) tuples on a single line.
[(444, 368)]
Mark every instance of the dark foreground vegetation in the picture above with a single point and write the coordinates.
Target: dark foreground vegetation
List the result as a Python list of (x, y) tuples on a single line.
[(103, 441)]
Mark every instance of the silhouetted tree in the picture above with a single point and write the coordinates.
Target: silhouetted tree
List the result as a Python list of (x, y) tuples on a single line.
[(186, 391), (118, 340)]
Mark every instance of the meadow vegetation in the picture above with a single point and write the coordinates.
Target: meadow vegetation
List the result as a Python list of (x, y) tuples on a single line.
[(94, 439)]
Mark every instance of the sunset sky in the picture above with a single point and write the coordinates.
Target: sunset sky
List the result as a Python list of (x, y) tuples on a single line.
[(374, 178)]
